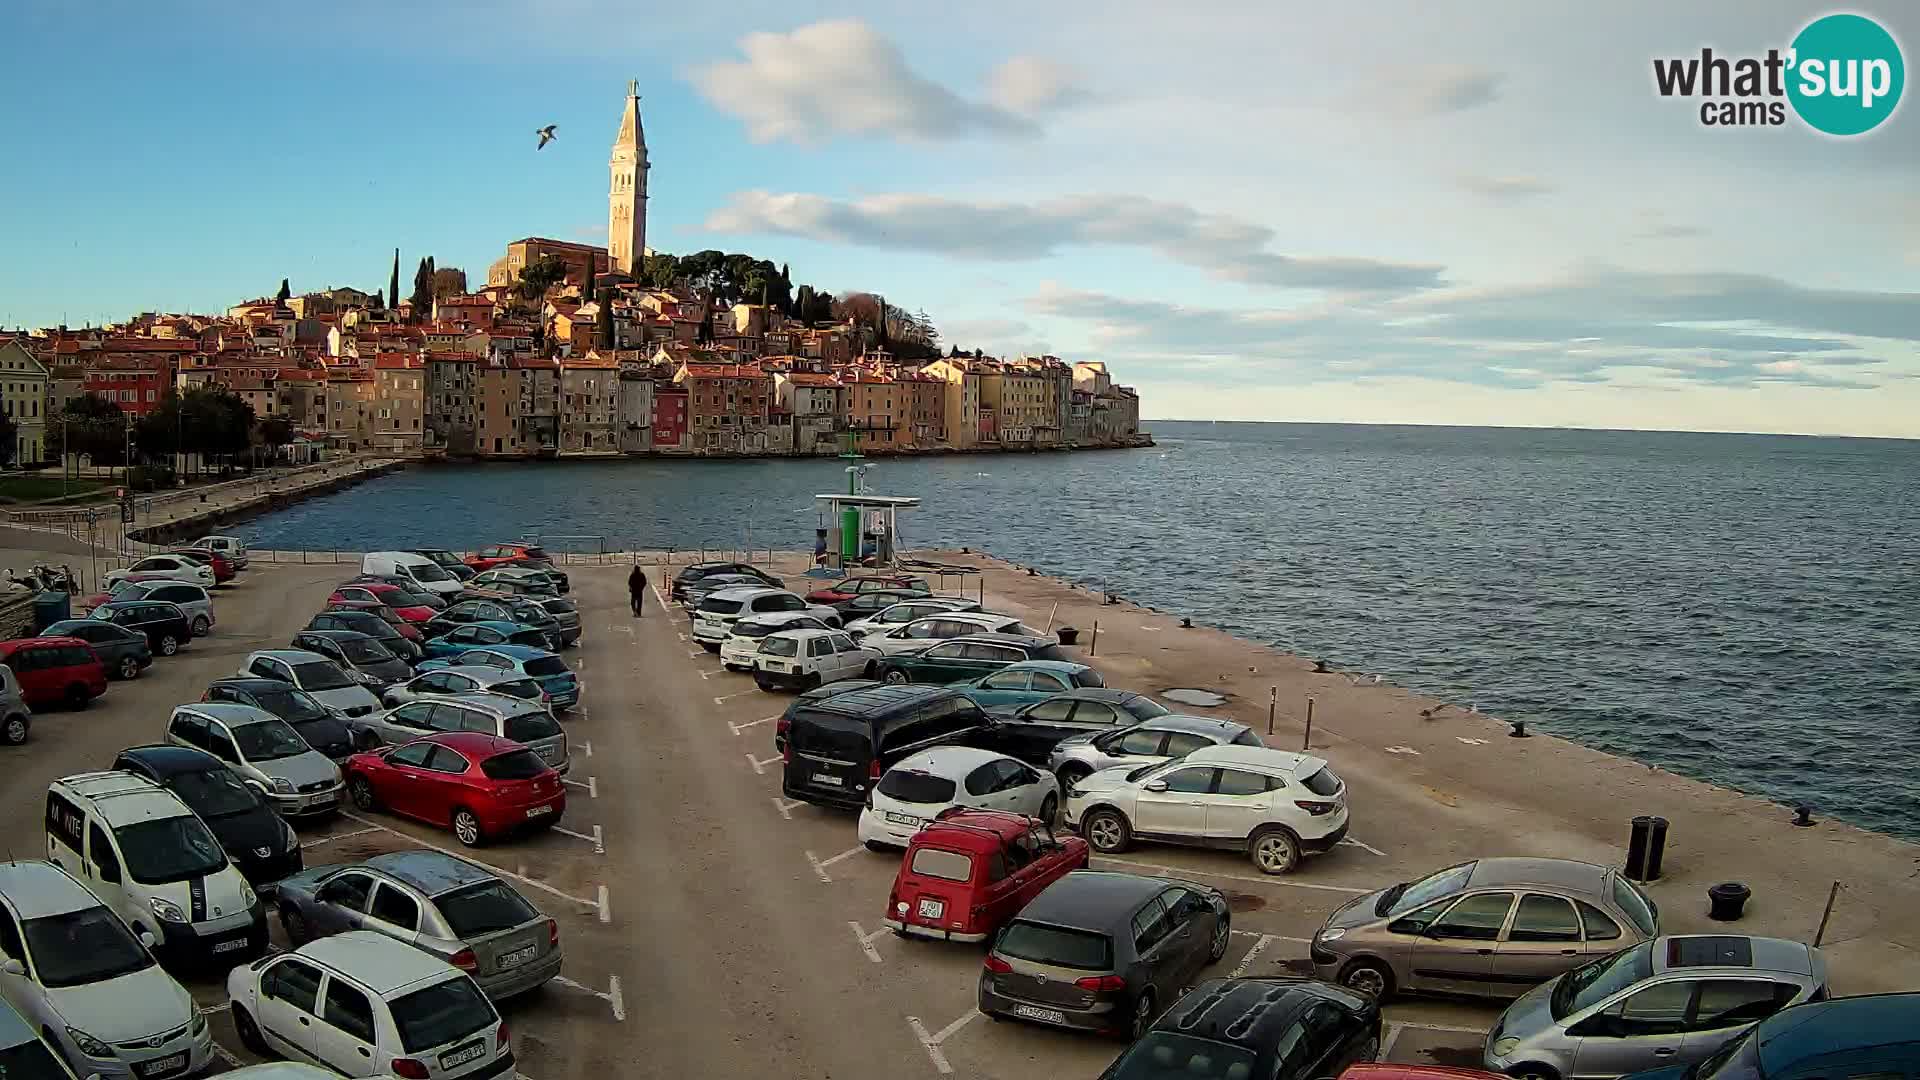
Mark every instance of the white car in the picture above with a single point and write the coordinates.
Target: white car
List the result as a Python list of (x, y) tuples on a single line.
[(908, 610), (191, 599), (234, 548), (358, 1005), (928, 629), (737, 652), (713, 620), (804, 659), (176, 567), (1274, 805), (919, 786), (72, 969)]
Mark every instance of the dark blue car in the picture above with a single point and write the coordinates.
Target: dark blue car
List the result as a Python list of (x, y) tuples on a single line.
[(1876, 1036)]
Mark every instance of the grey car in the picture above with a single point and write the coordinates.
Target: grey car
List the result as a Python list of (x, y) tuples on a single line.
[(126, 653), (566, 616), (1491, 927), (358, 654), (439, 904), (474, 679), (1160, 739), (713, 583), (1104, 952), (1666, 1002), (526, 722), (266, 752)]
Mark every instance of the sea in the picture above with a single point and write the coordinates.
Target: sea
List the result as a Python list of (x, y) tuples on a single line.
[(1744, 609)]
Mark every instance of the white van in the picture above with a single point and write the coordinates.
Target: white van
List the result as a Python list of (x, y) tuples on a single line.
[(154, 863), (418, 569)]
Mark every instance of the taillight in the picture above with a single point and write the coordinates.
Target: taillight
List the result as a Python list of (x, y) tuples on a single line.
[(408, 1068), (786, 754), (873, 770), (464, 960), (1098, 983), (1316, 808), (502, 1038), (553, 937), (997, 965)]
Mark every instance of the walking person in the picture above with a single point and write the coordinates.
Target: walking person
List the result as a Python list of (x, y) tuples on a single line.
[(637, 590)]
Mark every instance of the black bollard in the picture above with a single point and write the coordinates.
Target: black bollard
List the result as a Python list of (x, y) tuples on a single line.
[(1727, 900), (1803, 815), (1637, 844), (1519, 730), (1656, 849)]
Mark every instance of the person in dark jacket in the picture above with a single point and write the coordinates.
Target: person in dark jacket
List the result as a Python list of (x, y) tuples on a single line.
[(637, 590)]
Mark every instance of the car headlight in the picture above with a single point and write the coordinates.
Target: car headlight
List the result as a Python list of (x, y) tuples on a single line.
[(89, 1045), (1334, 934), (247, 896), (167, 910), (199, 1022), (282, 786), (291, 838), (1503, 1047)]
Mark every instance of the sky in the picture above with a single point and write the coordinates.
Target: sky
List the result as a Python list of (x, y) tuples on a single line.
[(1393, 213)]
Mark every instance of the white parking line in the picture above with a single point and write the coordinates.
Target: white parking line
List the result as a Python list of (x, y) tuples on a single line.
[(586, 747), (594, 838), (932, 1042), (820, 865), (617, 628), (1179, 871), (723, 699), (1253, 954), (679, 635), (521, 878), (760, 764), (715, 671), (1364, 846), (318, 840), (611, 995), (226, 1055), (592, 785), (866, 940), (695, 653), (738, 728), (785, 806)]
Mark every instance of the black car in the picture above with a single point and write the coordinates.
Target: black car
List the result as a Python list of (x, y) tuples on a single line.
[(1284, 1029), (357, 654), (375, 627), (258, 841), (126, 653), (324, 731), (165, 625), (808, 697), (1104, 952), (1031, 732), (690, 574), (559, 577), (515, 609), (842, 743)]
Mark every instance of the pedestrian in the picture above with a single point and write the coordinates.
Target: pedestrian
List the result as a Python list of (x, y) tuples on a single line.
[(637, 590)]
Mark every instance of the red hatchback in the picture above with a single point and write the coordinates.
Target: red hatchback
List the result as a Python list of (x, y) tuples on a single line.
[(55, 670), (222, 568), (480, 786), (969, 871), (847, 588), (503, 554), (379, 592)]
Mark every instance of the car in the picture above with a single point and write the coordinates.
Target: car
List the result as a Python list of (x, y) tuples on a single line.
[(176, 567), (150, 858), (497, 554), (405, 629), (234, 548), (257, 841), (406, 591), (509, 582), (477, 634), (1275, 805), (743, 639), (968, 871), (566, 616), (1381, 1070), (1029, 681), (447, 907), (533, 571), (446, 560), (847, 588), (872, 611), (804, 659), (1103, 952), (167, 626), (1870, 1037), (54, 671), (551, 672), (1033, 731), (868, 603), (1171, 736), (266, 752), (448, 681), (1407, 937), (419, 569), (839, 746), (1285, 1029), (525, 722), (223, 571), (713, 620), (808, 697), (396, 639), (356, 1005), (524, 611), (962, 658), (23, 1053), (1669, 1001), (357, 654), (320, 677), (323, 729), (379, 592), (479, 786), (72, 970), (705, 587), (916, 635), (688, 575), (125, 652), (16, 719), (192, 599), (919, 787)]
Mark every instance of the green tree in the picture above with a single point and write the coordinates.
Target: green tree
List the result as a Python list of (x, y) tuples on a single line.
[(660, 271), (274, 432), (9, 439), (449, 281), (285, 293), (537, 278), (422, 289), (393, 286), (91, 426)]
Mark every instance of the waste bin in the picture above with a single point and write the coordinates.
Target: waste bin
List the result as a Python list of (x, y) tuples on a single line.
[(51, 606), (1726, 900), (1068, 635)]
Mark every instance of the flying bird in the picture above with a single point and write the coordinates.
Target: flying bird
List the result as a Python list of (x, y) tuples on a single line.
[(546, 136)]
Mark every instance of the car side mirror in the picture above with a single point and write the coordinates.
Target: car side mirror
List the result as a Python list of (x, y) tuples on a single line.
[(147, 939), (1156, 785), (13, 967)]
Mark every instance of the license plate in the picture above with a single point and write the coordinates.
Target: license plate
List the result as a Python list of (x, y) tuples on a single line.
[(518, 956), (933, 909), (230, 946), (1051, 1016), (823, 778), (903, 819), (772, 666), (536, 811), (456, 1058), (170, 1063)]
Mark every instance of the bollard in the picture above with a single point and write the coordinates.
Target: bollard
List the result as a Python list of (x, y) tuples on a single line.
[(1803, 815), (1095, 641), (1273, 702), (1643, 848), (1519, 730), (1186, 624), (1726, 900), (1656, 848), (1306, 741)]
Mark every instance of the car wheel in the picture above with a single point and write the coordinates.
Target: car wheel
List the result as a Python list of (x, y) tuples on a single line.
[(466, 827), (897, 677), (362, 794), (709, 646), (762, 683), (169, 644), (77, 696), (295, 925), (1274, 851), (867, 672), (1050, 807), (876, 846), (1533, 1070), (1368, 977), (1369, 1050), (1107, 831), (1143, 1015), (1073, 774), (249, 1032), (129, 667), (1218, 949), (15, 731), (201, 626), (811, 682)]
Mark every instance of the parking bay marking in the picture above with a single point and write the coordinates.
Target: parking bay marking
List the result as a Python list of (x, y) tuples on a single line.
[(932, 1041), (1183, 871), (722, 700), (601, 904), (760, 764), (785, 806), (820, 865), (611, 995), (1363, 846), (328, 839), (596, 839), (738, 728), (592, 785), (866, 940)]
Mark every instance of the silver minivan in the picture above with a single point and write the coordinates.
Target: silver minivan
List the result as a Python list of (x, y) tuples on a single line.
[(15, 717), (525, 722), (266, 752)]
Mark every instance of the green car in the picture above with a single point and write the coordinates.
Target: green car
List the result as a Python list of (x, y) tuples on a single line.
[(1027, 682), (966, 657)]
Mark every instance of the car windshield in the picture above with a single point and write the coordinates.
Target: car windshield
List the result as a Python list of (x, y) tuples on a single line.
[(1145, 771), (780, 646), (373, 626), (1056, 945), (269, 740), (486, 908), (514, 765), (163, 850), (130, 591), (442, 1013), (1404, 897), (747, 628), (1322, 782), (364, 652), (529, 726), (525, 689), (215, 793), (428, 571), (546, 665), (560, 607), (1090, 678), (293, 706), (78, 947), (320, 675), (1586, 986), (1165, 1055), (30, 1060), (1143, 708), (913, 786)]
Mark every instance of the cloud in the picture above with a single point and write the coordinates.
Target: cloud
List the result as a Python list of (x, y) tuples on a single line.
[(1448, 89), (1506, 188), (1225, 247), (843, 77)]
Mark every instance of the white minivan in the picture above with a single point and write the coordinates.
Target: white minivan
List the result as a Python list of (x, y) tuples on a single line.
[(154, 864), (418, 569)]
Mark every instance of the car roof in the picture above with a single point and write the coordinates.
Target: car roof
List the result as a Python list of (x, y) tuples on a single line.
[(169, 760), (1092, 899), (250, 683), (432, 872), (289, 656), (951, 762), (802, 633), (337, 635), (1255, 1013), (1198, 725), (474, 744), (371, 959), (116, 605), (495, 624), (504, 704), (1256, 757), (744, 592), (963, 828), (123, 798), (1731, 952), (778, 617), (484, 674), (1062, 667), (1837, 1026), (879, 697), (984, 617), (1091, 693), (38, 888), (1563, 873), (25, 642), (1020, 640), (517, 652), (230, 713), (1393, 1070)]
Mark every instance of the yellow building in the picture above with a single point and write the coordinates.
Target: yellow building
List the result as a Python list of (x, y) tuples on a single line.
[(24, 396)]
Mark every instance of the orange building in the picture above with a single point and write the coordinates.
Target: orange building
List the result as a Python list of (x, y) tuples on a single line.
[(727, 406), (879, 410)]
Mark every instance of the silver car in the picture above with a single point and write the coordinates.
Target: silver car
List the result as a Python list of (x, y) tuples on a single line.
[(467, 679), (525, 722), (566, 616), (439, 904), (266, 752), (1164, 737), (1666, 1002)]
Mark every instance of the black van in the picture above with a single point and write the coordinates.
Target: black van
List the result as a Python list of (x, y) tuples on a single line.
[(838, 746)]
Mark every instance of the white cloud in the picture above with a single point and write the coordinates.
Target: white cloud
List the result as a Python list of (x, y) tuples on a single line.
[(1506, 188), (1033, 84), (1451, 88)]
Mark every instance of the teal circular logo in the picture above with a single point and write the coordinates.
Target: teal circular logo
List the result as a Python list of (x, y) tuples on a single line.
[(1845, 74)]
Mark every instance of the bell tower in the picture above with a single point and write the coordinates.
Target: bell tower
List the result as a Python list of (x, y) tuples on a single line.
[(627, 190)]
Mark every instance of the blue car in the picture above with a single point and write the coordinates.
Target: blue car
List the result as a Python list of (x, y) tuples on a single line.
[(537, 664), (476, 635), (1877, 1035), (1027, 682)]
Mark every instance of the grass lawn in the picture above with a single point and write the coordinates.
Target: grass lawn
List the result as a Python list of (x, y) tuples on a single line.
[(39, 486)]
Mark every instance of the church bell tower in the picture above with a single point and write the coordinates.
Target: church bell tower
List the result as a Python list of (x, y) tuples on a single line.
[(627, 191)]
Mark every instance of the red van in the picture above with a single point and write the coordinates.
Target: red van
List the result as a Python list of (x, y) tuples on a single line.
[(969, 871), (55, 670)]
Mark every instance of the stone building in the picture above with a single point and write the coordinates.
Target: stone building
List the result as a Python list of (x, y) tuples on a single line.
[(636, 411), (589, 404), (450, 403), (399, 403)]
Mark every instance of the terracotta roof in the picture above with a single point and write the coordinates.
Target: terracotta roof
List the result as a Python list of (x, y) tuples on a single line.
[(396, 361), (436, 356), (812, 378), (695, 370), (590, 363)]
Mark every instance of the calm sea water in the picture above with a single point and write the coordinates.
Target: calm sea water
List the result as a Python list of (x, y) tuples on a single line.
[(1744, 609)]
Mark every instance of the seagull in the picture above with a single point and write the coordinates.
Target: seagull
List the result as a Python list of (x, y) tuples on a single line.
[(546, 135)]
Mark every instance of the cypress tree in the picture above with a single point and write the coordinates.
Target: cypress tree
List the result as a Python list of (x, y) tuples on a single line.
[(285, 292), (393, 286), (603, 320)]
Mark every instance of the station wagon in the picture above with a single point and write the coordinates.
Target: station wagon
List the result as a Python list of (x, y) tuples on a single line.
[(969, 871)]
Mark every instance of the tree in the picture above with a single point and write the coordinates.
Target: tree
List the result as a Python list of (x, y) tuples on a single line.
[(423, 289), (803, 304), (660, 271), (379, 298), (603, 320), (538, 277), (9, 439), (91, 426), (449, 281), (393, 287), (275, 432), (285, 293)]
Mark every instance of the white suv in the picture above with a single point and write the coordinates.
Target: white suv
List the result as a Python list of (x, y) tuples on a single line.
[(1272, 804), (713, 620), (736, 653), (928, 629)]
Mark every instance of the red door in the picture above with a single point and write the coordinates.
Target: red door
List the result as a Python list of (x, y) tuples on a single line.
[(442, 784)]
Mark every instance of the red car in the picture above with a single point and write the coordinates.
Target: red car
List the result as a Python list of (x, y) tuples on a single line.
[(481, 786), (222, 568), (969, 871), (502, 554), (847, 588), (55, 670), (379, 592), (374, 607)]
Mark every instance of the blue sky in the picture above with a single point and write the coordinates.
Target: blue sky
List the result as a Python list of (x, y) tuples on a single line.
[(1251, 211)]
